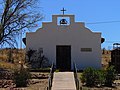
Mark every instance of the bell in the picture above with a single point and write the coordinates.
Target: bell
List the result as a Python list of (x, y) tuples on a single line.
[(63, 21)]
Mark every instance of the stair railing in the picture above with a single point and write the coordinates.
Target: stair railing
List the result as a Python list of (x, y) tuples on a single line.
[(50, 77), (76, 77)]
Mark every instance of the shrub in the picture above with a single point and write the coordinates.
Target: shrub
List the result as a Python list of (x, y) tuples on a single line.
[(30, 53), (100, 77), (21, 77), (57, 70), (92, 77), (88, 76), (109, 76), (36, 58)]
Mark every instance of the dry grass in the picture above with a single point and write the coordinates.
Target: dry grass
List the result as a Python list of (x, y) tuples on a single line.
[(19, 55), (106, 58), (14, 54), (10, 58), (6, 65)]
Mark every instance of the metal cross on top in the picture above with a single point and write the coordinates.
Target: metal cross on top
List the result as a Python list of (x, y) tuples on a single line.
[(63, 10)]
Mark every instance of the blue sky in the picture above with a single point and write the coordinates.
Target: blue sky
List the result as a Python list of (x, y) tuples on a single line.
[(89, 11)]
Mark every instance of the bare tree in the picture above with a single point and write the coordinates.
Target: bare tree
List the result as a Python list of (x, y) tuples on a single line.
[(17, 16), (30, 53), (36, 58)]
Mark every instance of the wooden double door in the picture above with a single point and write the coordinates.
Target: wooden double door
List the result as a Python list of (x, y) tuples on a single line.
[(63, 57)]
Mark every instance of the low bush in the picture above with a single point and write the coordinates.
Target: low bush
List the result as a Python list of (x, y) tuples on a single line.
[(21, 77), (91, 77), (57, 70), (110, 76), (100, 77), (88, 76)]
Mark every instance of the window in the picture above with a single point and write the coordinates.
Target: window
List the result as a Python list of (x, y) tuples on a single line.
[(86, 49)]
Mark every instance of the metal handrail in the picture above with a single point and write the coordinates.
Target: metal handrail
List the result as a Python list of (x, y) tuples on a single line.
[(76, 77), (50, 77)]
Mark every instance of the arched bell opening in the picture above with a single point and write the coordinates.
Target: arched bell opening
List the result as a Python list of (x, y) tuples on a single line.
[(63, 21)]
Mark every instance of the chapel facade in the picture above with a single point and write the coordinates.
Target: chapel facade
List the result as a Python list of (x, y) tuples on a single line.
[(65, 42)]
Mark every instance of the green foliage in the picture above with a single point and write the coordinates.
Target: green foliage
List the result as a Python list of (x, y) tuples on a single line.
[(21, 77), (91, 77), (100, 77), (110, 76), (57, 70), (88, 76)]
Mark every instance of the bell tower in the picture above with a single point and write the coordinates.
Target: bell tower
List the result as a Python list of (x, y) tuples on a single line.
[(63, 19)]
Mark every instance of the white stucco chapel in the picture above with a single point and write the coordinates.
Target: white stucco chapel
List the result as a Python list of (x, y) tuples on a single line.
[(65, 41)]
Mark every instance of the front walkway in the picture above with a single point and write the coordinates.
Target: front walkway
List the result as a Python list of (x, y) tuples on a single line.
[(63, 81)]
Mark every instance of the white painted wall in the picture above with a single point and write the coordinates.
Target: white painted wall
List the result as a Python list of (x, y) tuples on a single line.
[(75, 34)]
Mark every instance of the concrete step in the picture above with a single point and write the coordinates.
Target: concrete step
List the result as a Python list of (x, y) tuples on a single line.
[(63, 81)]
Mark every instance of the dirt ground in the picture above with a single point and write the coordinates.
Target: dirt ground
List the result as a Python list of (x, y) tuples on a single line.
[(104, 88), (37, 84), (39, 81), (41, 85)]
